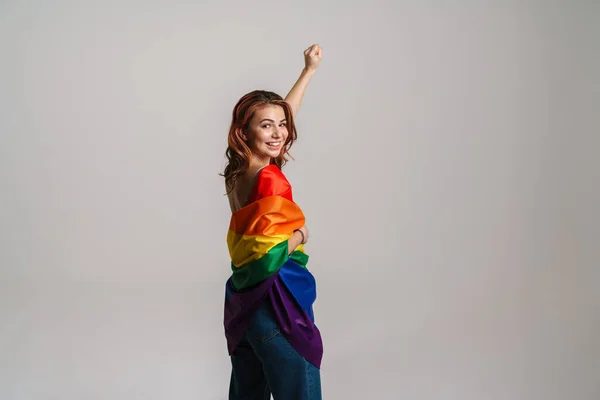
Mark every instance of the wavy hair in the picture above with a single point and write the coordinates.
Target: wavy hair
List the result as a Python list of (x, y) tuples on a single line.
[(238, 152)]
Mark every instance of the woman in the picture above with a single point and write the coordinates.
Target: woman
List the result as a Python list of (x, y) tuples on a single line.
[(274, 345)]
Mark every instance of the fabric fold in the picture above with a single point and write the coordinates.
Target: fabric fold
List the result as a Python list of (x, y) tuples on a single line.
[(262, 270)]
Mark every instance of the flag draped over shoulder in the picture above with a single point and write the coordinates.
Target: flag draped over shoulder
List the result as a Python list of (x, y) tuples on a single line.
[(258, 233), (262, 270)]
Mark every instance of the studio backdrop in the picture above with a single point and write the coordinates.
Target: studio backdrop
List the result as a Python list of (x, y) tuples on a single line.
[(446, 162)]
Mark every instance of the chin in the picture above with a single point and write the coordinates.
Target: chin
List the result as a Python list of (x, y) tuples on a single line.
[(272, 154)]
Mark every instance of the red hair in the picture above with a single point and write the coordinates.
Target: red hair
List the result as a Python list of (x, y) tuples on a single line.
[(238, 152)]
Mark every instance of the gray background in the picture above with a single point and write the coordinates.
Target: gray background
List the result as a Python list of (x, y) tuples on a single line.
[(446, 164)]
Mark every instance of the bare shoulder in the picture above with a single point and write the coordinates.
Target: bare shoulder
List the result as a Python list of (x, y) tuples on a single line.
[(238, 196)]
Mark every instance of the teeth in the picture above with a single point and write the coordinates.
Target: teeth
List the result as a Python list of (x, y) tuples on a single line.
[(273, 144)]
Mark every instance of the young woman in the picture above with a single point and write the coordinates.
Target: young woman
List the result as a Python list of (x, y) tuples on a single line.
[(274, 345)]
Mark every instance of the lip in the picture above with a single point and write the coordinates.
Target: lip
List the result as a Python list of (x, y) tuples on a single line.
[(274, 147)]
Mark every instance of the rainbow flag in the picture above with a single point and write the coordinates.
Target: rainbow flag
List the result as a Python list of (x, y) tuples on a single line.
[(258, 239), (264, 270)]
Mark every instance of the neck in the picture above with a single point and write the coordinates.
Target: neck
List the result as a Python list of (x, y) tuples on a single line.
[(257, 162)]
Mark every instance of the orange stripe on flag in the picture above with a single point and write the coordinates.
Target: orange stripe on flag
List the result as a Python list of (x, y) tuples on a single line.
[(269, 216)]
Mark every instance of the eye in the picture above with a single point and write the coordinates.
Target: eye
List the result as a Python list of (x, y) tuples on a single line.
[(265, 126), (283, 124)]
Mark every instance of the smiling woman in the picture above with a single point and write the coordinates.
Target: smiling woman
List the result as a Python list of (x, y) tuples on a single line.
[(268, 132), (262, 132), (274, 344)]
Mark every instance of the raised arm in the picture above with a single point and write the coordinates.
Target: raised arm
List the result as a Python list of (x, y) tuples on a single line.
[(312, 59)]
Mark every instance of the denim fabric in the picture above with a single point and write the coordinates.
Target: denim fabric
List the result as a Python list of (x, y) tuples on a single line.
[(265, 363)]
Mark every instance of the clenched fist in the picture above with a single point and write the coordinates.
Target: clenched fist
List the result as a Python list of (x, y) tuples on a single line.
[(312, 57)]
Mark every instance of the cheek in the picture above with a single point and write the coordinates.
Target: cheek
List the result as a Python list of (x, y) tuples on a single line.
[(263, 137), (256, 137)]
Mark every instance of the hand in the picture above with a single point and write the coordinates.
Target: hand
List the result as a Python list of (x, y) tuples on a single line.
[(304, 230), (312, 57)]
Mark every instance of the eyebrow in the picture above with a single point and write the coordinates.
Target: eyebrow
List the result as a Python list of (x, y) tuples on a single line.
[(270, 120)]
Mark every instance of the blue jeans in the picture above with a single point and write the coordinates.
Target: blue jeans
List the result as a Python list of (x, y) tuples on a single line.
[(265, 362)]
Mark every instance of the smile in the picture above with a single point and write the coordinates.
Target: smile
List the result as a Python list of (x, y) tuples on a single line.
[(274, 145)]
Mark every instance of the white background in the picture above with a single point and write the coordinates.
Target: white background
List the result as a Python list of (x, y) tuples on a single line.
[(447, 164)]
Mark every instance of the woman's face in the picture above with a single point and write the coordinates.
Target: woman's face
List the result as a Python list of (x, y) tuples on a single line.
[(267, 132)]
